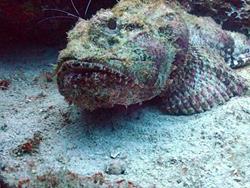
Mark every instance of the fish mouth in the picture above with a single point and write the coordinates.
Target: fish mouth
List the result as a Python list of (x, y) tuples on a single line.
[(90, 71), (81, 81), (94, 84)]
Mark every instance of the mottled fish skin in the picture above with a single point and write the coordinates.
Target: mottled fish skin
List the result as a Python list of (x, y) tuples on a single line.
[(232, 15), (141, 49)]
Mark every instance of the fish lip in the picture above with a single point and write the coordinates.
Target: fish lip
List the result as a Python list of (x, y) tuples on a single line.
[(88, 68), (80, 66), (79, 78)]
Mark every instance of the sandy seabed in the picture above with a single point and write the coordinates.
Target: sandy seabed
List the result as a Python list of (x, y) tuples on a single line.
[(208, 150)]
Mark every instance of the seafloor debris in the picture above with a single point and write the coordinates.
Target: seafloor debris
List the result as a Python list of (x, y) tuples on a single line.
[(35, 97), (65, 179), (65, 116), (4, 84), (30, 146), (48, 76), (4, 127)]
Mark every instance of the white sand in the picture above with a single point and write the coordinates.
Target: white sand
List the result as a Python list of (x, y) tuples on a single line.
[(208, 150)]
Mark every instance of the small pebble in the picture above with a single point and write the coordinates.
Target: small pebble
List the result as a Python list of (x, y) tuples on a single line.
[(115, 167), (4, 127), (114, 154), (160, 161)]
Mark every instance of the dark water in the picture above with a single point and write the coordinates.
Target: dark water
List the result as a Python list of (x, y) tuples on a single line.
[(29, 21)]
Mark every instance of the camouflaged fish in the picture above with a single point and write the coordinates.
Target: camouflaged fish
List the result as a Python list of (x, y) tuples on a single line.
[(142, 49)]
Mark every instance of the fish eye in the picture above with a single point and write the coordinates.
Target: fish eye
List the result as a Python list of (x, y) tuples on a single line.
[(170, 16), (112, 24), (133, 26)]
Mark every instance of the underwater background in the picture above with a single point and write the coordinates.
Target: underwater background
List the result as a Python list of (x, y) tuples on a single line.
[(45, 142)]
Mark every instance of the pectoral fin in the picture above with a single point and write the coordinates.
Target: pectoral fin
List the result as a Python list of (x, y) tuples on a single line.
[(203, 82)]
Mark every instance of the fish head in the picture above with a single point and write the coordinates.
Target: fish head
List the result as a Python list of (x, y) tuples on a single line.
[(120, 56)]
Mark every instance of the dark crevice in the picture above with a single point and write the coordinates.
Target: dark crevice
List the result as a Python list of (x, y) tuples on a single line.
[(26, 21)]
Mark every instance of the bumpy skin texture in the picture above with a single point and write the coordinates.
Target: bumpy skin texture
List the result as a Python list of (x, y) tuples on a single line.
[(231, 14), (142, 49)]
